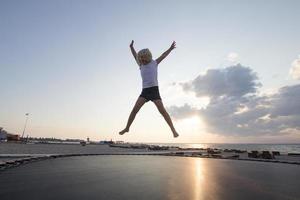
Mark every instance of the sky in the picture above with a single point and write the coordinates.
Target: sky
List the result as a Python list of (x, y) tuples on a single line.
[(233, 78)]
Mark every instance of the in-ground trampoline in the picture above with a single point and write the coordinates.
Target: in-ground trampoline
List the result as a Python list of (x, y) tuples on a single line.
[(149, 177)]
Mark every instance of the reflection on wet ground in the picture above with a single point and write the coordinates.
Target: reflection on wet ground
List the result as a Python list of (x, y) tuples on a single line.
[(149, 177)]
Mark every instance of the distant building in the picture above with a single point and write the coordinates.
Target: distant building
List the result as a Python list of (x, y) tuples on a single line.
[(3, 134), (13, 137)]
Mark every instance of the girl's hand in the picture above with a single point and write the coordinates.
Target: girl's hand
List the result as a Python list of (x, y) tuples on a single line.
[(173, 46), (131, 44)]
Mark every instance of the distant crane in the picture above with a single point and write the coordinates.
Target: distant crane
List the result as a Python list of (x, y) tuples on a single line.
[(27, 114)]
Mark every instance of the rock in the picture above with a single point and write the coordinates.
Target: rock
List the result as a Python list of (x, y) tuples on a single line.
[(239, 151), (216, 156), (212, 151), (267, 155), (276, 153), (253, 154), (235, 156), (293, 154), (157, 148), (196, 154)]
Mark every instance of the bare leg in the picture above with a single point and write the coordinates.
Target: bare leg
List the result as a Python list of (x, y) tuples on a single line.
[(139, 103), (162, 110)]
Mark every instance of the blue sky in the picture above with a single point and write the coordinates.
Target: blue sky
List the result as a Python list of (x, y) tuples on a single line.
[(68, 63)]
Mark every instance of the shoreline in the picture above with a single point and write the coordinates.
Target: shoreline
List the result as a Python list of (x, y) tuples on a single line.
[(183, 146), (11, 163), (38, 152)]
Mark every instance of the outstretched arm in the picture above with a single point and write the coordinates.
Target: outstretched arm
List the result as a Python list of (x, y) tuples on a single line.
[(166, 53), (133, 52)]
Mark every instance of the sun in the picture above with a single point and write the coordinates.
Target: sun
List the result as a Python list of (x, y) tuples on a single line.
[(192, 123)]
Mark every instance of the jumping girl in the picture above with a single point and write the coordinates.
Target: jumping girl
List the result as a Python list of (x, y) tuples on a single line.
[(148, 69)]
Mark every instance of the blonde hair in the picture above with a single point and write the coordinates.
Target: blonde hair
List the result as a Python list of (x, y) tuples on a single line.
[(144, 54)]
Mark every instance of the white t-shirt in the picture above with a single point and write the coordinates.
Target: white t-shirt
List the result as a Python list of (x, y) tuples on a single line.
[(149, 74)]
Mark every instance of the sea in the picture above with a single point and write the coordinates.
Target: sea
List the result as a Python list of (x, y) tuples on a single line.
[(284, 148)]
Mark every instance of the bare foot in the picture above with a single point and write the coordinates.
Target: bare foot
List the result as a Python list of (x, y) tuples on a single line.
[(175, 134), (123, 131)]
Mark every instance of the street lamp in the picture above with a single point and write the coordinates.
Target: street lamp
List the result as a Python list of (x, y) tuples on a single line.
[(27, 114)]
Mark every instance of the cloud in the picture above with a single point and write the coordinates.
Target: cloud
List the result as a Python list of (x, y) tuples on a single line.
[(181, 112), (295, 69), (235, 80), (233, 57), (236, 108), (287, 102), (236, 116)]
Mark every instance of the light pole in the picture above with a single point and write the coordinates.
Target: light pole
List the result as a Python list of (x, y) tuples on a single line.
[(27, 114)]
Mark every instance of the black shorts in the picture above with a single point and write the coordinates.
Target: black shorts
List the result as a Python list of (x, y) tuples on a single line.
[(151, 93)]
